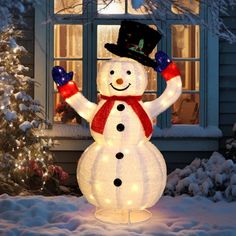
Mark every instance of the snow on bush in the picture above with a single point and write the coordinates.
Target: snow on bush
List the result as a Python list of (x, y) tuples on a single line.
[(214, 178), (231, 145), (25, 126)]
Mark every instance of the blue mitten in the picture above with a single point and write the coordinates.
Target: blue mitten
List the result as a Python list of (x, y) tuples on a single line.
[(60, 76), (162, 60)]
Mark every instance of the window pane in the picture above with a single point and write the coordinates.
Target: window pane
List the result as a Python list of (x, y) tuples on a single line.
[(152, 55), (68, 41), (185, 41), (140, 11), (68, 6), (149, 97), (190, 74), (190, 6), (111, 7), (76, 67), (186, 110), (63, 113), (106, 34), (152, 79)]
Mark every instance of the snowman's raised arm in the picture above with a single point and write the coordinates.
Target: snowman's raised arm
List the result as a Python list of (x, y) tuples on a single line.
[(171, 74), (70, 93)]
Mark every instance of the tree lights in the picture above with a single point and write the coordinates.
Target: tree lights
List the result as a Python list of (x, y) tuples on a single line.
[(24, 156)]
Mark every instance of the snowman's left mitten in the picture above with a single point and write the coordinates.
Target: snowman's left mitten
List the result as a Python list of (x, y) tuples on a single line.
[(65, 85), (165, 66)]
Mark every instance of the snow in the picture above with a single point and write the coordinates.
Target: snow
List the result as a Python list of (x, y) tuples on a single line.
[(187, 131), (10, 115), (214, 178), (79, 131), (66, 130), (25, 126), (68, 215)]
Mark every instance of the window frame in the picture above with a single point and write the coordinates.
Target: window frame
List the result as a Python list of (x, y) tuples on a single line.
[(209, 58)]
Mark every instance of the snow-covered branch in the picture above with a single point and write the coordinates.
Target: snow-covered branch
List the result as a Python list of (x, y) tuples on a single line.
[(184, 9)]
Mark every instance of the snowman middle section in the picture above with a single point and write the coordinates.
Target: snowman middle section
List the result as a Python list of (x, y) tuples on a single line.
[(122, 127)]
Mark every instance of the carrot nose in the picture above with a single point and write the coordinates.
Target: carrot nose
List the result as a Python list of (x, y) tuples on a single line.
[(119, 81)]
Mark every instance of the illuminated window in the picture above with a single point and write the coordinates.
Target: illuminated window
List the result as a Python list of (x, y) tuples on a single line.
[(68, 53), (76, 36), (68, 6), (192, 6), (185, 45), (108, 7), (111, 7), (68, 46)]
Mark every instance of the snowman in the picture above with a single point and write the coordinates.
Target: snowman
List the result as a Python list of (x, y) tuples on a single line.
[(122, 173)]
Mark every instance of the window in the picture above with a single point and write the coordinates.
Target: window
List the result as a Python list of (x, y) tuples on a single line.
[(68, 53), (68, 50), (185, 47), (75, 39)]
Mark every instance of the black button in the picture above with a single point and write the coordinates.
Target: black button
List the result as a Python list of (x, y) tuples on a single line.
[(120, 127), (117, 182), (119, 155), (120, 107)]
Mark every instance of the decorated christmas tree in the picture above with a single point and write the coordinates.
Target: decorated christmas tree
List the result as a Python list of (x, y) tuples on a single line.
[(25, 160)]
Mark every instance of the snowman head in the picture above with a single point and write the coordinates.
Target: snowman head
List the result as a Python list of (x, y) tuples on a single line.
[(122, 77)]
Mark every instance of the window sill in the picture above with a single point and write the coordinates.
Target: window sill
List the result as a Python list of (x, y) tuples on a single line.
[(67, 131), (176, 138), (187, 131), (176, 131)]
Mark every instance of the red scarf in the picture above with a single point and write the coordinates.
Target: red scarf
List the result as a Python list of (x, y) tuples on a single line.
[(100, 119)]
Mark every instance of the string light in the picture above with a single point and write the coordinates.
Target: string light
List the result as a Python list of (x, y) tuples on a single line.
[(135, 188), (105, 158), (108, 201), (170, 93), (129, 202)]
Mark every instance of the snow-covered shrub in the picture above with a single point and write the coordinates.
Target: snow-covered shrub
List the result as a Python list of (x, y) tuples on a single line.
[(214, 178)]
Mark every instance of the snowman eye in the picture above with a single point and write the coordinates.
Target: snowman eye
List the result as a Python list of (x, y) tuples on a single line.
[(128, 72), (112, 72)]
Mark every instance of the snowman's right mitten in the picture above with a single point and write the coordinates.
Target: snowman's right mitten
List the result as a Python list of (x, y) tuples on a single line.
[(65, 85)]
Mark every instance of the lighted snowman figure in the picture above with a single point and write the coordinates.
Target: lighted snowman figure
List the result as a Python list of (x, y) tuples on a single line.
[(122, 173)]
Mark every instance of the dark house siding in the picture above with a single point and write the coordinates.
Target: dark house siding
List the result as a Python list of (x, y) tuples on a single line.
[(27, 41), (227, 88)]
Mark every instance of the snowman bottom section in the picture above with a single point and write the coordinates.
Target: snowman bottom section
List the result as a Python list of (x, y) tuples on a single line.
[(122, 177)]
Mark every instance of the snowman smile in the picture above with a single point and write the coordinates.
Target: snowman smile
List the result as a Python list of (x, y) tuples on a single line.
[(120, 89)]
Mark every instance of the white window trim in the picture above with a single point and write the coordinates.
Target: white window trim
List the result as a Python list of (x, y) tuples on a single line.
[(211, 84)]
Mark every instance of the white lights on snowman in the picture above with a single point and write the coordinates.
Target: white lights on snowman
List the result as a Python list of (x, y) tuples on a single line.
[(122, 173)]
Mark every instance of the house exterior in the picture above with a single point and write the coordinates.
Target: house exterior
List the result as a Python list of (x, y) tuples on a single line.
[(198, 123)]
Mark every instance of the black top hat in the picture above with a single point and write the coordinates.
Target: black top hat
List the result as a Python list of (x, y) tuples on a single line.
[(135, 41)]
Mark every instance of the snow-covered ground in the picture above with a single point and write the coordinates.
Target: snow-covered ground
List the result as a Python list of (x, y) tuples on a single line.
[(182, 215)]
